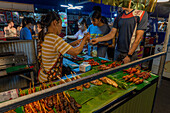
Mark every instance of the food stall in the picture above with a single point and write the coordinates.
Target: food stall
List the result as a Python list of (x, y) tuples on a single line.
[(106, 87), (112, 94), (16, 59)]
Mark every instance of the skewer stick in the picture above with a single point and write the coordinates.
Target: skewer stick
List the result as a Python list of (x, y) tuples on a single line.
[(44, 108), (66, 76), (68, 94), (76, 74), (31, 108), (39, 105), (40, 87), (61, 79), (45, 85), (26, 110), (33, 84), (58, 98), (73, 76), (66, 97)]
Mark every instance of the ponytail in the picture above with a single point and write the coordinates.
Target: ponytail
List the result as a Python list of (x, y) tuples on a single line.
[(46, 21)]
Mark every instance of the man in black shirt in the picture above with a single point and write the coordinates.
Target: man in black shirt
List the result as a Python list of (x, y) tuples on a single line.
[(131, 25)]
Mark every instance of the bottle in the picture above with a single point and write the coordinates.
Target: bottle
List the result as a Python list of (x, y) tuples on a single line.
[(94, 51)]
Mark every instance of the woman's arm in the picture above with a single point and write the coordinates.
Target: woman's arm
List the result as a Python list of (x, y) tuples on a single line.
[(77, 50), (107, 37), (75, 43)]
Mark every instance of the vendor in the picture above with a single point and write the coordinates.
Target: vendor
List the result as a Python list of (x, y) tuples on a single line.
[(39, 28), (10, 31), (98, 29), (82, 25), (131, 25), (54, 47), (25, 33)]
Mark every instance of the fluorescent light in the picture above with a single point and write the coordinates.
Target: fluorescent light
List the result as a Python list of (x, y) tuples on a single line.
[(79, 6), (163, 1), (70, 6), (64, 5)]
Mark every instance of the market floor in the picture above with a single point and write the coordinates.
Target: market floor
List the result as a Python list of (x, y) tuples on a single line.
[(162, 102)]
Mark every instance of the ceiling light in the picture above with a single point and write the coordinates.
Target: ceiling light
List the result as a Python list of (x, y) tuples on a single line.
[(64, 5), (163, 1), (70, 6)]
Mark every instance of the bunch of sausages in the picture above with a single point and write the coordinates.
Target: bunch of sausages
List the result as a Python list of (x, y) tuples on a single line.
[(131, 78), (92, 62)]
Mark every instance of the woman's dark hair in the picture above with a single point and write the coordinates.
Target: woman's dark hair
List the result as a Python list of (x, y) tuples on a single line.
[(9, 21), (95, 14), (39, 22), (97, 8), (27, 20), (83, 21), (46, 22), (47, 19), (104, 20)]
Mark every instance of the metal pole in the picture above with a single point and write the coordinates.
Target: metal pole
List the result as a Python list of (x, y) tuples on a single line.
[(163, 57), (67, 22)]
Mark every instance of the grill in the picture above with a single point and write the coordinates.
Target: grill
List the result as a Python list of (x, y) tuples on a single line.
[(11, 59)]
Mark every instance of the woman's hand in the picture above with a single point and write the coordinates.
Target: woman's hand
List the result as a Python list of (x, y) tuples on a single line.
[(94, 41), (87, 37), (126, 60)]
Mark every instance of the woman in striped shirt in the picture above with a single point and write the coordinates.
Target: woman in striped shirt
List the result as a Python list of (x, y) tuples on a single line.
[(54, 47)]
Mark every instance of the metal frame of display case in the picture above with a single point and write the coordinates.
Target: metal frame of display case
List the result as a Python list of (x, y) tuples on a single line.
[(8, 105)]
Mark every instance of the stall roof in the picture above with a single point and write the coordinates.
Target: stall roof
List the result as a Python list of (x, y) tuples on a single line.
[(162, 9), (4, 5)]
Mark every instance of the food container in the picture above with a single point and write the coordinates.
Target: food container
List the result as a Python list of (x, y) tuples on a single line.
[(94, 51), (84, 67)]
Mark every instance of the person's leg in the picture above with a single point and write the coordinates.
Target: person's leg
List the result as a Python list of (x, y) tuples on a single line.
[(116, 54), (110, 53), (101, 51)]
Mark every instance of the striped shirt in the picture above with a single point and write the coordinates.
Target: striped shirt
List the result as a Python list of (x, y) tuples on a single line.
[(52, 46)]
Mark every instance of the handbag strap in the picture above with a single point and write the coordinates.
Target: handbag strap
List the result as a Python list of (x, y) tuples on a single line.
[(135, 13)]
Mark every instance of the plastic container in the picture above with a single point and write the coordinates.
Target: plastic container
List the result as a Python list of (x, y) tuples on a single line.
[(84, 67)]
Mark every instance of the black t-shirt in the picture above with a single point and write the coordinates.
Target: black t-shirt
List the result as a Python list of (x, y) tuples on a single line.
[(126, 25)]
